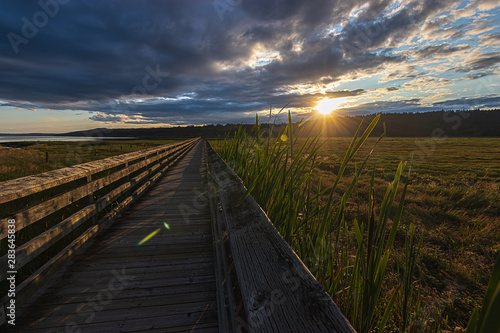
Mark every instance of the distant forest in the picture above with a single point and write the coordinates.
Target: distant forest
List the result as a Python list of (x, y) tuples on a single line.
[(477, 123)]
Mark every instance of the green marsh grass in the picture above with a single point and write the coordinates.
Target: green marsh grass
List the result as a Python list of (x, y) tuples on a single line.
[(452, 200), (348, 257), (485, 320), (439, 252), (29, 158)]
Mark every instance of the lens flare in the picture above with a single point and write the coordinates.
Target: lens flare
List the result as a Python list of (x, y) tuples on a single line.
[(148, 237), (327, 105)]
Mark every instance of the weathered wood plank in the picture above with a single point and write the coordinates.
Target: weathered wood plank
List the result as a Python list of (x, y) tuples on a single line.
[(36, 212), (226, 303), (173, 273), (197, 294), (39, 244), (32, 283), (152, 258), (137, 324), (180, 241), (94, 285), (204, 290), (279, 293), (185, 268), (157, 308), (26, 252), (21, 187)]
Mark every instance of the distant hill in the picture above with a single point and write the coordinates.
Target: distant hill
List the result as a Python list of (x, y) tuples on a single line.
[(207, 131), (477, 123), (28, 134)]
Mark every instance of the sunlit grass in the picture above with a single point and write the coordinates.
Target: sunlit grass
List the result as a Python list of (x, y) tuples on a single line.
[(347, 254), (450, 217), (30, 158)]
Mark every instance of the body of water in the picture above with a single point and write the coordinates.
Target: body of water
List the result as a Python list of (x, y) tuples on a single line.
[(21, 138)]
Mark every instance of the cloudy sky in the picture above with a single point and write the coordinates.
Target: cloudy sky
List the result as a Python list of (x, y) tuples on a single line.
[(73, 64)]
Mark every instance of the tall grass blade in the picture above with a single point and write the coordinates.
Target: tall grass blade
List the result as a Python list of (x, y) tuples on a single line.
[(488, 321), (348, 256)]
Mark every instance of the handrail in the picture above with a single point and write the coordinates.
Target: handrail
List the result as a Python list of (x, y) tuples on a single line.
[(276, 290), (119, 181), (21, 187)]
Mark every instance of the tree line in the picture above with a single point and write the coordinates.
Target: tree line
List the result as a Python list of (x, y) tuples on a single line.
[(457, 123)]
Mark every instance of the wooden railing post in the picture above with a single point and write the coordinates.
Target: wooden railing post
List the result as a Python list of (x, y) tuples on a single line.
[(277, 291), (58, 189)]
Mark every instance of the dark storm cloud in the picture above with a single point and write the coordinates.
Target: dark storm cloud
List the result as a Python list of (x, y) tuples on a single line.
[(439, 51), (97, 51), (399, 75), (408, 105), (391, 88), (108, 118), (344, 93), (415, 105), (470, 103), (478, 75), (490, 38), (188, 61), (482, 62), (100, 51), (477, 68), (436, 24), (371, 30)]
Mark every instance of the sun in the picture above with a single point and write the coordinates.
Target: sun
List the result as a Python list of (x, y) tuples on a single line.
[(327, 105)]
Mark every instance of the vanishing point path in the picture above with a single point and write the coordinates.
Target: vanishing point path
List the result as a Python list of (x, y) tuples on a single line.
[(165, 284)]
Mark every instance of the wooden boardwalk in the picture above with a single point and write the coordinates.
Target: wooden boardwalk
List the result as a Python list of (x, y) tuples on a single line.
[(193, 252), (166, 284)]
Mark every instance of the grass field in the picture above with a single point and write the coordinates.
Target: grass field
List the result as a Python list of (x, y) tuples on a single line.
[(453, 199), (30, 157)]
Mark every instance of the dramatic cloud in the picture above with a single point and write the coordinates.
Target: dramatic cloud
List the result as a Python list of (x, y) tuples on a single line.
[(438, 51), (416, 105), (483, 62), (197, 61)]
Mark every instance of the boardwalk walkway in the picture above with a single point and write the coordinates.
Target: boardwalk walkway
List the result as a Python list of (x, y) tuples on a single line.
[(167, 284)]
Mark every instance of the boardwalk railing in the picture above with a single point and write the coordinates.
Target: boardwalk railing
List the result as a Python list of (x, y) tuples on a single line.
[(262, 285), (55, 213)]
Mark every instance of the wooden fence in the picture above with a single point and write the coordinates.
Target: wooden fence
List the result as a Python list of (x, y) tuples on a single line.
[(262, 285), (57, 212)]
